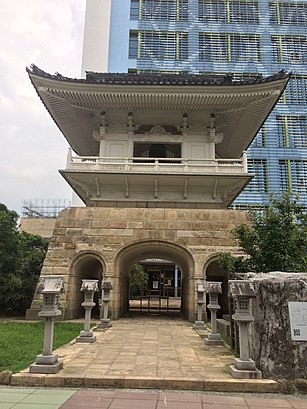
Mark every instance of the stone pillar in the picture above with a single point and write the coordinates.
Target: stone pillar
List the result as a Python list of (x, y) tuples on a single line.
[(199, 295), (50, 287), (105, 321), (213, 288), (243, 292), (89, 287)]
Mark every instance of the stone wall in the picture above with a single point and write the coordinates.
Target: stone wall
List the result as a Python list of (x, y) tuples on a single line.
[(118, 237), (276, 355)]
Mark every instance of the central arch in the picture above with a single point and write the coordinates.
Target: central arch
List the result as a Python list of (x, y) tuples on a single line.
[(158, 249)]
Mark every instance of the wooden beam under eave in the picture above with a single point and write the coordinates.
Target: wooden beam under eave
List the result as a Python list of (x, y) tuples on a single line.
[(156, 188), (126, 187), (214, 189), (185, 189), (97, 187)]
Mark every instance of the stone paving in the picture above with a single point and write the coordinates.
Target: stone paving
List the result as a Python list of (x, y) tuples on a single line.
[(33, 398), (146, 352)]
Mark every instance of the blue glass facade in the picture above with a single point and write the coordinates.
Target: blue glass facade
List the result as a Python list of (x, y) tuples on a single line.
[(243, 37)]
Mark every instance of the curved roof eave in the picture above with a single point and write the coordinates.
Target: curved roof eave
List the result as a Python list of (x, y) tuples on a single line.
[(72, 102)]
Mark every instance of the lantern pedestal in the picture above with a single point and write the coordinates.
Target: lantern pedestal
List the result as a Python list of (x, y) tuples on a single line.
[(50, 287), (89, 287), (105, 322), (47, 362), (244, 369), (243, 292), (213, 289), (199, 324), (214, 339)]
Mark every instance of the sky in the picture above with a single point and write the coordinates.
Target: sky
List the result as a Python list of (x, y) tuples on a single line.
[(49, 34)]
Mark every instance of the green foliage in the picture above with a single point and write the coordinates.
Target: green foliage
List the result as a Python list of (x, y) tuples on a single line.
[(21, 342), (276, 239), (21, 259), (138, 280)]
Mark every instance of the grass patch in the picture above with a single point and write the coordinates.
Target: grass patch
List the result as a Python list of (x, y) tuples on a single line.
[(21, 342)]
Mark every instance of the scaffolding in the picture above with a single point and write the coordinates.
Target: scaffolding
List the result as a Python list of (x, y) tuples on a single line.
[(43, 207)]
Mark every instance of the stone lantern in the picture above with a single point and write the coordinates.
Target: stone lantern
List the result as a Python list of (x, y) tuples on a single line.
[(213, 288), (89, 287), (106, 287), (50, 287), (243, 292), (199, 291)]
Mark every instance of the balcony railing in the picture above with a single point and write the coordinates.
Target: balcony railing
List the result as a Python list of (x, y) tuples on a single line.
[(153, 165)]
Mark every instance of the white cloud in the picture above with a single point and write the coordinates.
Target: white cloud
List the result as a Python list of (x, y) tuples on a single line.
[(49, 34)]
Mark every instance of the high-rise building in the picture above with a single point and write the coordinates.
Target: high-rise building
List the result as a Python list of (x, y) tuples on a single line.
[(242, 37)]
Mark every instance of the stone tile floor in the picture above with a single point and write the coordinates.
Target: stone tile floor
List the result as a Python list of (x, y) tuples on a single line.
[(146, 352), (31, 398), (148, 346)]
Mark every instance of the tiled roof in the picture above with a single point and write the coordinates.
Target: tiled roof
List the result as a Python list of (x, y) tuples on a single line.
[(159, 78)]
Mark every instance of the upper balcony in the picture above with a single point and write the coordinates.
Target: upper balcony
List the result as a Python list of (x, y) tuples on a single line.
[(156, 182), (179, 166)]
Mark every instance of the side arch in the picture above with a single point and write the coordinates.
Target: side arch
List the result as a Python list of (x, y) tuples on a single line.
[(214, 272), (86, 264)]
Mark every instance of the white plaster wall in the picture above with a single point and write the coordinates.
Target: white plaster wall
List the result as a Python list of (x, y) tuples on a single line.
[(95, 55)]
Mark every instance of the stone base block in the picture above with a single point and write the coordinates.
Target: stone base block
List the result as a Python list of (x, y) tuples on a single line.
[(46, 359), (246, 365), (85, 339), (200, 325), (223, 326), (86, 334), (46, 369), (214, 339), (104, 324), (244, 374)]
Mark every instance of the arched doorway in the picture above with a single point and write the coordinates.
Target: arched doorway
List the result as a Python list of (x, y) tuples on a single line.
[(86, 265), (214, 272), (155, 250)]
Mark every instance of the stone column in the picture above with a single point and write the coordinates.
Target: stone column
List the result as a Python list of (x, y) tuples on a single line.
[(213, 288), (50, 287), (89, 287), (243, 292)]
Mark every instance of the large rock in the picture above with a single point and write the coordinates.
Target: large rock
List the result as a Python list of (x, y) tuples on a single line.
[(276, 355)]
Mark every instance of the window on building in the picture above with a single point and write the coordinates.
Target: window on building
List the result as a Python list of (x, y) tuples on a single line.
[(260, 139), (164, 10), (282, 133), (212, 10), (299, 176), (213, 47), (284, 172), (156, 150), (297, 126), (158, 45), (289, 49), (243, 11), (292, 131), (294, 13), (296, 91), (259, 182), (229, 47), (293, 174), (226, 11), (134, 9)]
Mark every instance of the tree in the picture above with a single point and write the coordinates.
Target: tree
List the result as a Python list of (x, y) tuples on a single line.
[(21, 259), (275, 240), (138, 280)]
